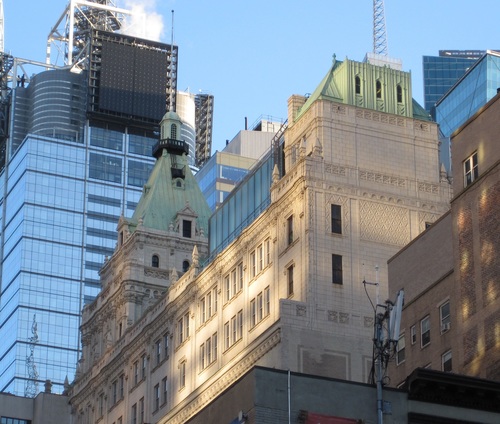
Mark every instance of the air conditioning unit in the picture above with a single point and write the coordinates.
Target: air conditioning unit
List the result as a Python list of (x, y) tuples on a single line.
[(445, 327)]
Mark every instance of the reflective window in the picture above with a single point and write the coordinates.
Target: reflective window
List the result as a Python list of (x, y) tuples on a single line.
[(107, 139), (138, 173), (104, 167)]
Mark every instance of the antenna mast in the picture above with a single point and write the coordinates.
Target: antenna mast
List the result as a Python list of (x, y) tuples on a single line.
[(32, 383), (379, 32)]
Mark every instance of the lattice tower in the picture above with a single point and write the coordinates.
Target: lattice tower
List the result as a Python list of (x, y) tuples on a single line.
[(379, 32)]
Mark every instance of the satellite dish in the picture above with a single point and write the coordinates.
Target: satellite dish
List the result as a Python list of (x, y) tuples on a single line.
[(395, 317)]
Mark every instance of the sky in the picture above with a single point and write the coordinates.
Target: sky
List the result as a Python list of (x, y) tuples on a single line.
[(253, 55)]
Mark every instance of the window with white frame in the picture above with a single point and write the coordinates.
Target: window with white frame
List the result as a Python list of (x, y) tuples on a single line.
[(259, 307), (208, 305), (166, 345), (158, 350), (227, 334), (400, 350), (134, 413), (425, 331), (253, 265), (164, 387), (267, 251), (471, 169), (182, 374), (183, 328), (446, 361), (413, 334), (240, 276), (156, 397), (267, 301), (233, 282), (444, 316)]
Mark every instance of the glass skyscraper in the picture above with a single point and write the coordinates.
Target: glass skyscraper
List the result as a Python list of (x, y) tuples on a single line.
[(63, 189), (443, 71)]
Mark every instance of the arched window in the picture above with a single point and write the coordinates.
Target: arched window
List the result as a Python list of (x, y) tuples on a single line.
[(173, 132), (185, 266), (357, 81), (155, 261), (399, 94), (378, 86)]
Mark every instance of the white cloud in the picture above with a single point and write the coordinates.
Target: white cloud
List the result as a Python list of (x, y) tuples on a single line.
[(144, 22)]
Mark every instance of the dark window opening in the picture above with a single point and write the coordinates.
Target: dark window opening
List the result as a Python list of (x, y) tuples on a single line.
[(337, 277), (399, 93), (358, 84), (378, 86), (173, 132), (185, 266), (186, 228), (289, 224), (155, 261), (290, 280), (336, 219)]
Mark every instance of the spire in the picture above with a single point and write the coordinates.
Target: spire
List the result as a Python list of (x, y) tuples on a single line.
[(171, 188)]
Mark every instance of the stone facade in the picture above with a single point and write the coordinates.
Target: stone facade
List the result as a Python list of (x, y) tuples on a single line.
[(288, 292), (456, 261)]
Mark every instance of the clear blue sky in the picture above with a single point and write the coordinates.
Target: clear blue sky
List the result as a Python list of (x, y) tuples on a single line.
[(253, 55)]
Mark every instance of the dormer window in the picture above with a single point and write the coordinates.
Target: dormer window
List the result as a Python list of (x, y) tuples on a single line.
[(173, 132), (378, 89), (357, 84), (399, 93), (186, 228), (155, 261)]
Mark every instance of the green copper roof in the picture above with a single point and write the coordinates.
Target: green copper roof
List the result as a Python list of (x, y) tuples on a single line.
[(339, 85), (164, 195)]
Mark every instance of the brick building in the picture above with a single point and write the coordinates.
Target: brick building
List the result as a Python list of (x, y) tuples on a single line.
[(451, 272)]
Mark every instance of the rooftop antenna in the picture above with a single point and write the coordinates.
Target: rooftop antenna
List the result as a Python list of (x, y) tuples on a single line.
[(31, 388), (171, 102), (379, 32)]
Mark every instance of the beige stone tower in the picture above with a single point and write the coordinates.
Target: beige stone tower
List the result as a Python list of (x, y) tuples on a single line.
[(361, 179)]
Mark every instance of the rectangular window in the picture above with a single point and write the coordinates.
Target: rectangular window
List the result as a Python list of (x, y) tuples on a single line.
[(214, 346), (143, 367), (209, 304), (134, 413), (413, 334), (400, 350), (425, 331), (101, 405), (186, 228), (183, 328), (336, 219), (136, 372), (260, 307), (233, 330), (337, 275), (234, 283), (444, 315), (202, 356), (446, 361), (122, 386), (141, 410), (165, 345), (203, 310), (267, 301), (239, 319), (289, 230), (253, 271), (289, 276), (471, 169), (215, 299), (164, 385), (260, 258), (253, 313), (158, 352), (226, 335), (120, 420), (227, 288), (208, 347), (114, 394), (267, 253), (240, 276), (156, 398), (182, 375)]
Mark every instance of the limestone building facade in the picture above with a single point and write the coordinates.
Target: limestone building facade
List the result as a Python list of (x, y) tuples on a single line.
[(361, 179), (450, 273)]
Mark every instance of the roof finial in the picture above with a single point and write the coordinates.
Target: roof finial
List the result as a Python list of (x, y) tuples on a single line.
[(334, 59)]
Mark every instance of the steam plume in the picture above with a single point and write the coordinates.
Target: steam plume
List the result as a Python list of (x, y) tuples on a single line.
[(144, 22)]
